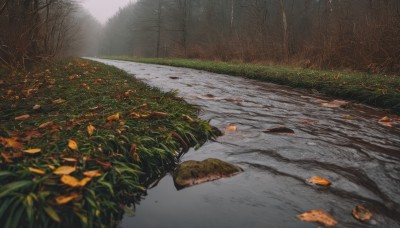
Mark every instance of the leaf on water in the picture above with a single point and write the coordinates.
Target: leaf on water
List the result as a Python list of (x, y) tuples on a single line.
[(33, 151), (11, 143), (44, 125), (335, 104), (72, 144), (279, 130), (92, 173), (74, 182), (386, 121), (22, 117), (317, 216), (113, 117), (64, 170), (348, 117), (60, 200), (90, 129), (58, 101), (318, 180), (362, 213), (231, 128), (37, 171)]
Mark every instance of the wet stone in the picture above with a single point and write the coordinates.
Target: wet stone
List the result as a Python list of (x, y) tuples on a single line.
[(192, 172)]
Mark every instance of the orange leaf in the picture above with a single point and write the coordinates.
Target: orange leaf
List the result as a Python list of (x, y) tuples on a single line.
[(11, 143), (58, 101), (319, 181), (231, 128), (361, 213), (90, 129), (92, 173), (317, 216), (70, 159), (38, 171), (65, 199), (64, 170), (113, 117), (72, 144), (23, 117), (385, 119), (44, 125), (73, 182), (32, 151)]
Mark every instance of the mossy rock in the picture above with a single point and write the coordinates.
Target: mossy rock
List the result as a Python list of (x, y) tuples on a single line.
[(191, 172)]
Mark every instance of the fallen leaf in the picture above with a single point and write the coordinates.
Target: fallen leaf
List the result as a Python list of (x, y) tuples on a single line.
[(90, 129), (348, 117), (387, 124), (335, 104), (70, 159), (6, 157), (32, 151), (11, 143), (74, 182), (51, 167), (37, 171), (23, 117), (317, 216), (72, 144), (318, 180), (361, 213), (385, 119), (92, 173), (36, 107), (113, 117), (64, 170), (58, 101), (65, 199), (279, 130), (44, 125), (231, 128), (187, 117)]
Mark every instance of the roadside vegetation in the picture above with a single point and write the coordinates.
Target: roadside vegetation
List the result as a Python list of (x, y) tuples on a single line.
[(373, 89), (80, 141)]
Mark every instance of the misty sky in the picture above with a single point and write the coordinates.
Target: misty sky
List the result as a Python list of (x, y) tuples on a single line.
[(102, 10)]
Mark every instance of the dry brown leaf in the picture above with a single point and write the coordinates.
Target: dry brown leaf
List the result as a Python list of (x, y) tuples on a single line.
[(33, 151), (44, 125), (361, 213), (58, 101), (92, 173), (318, 180), (37, 171), (22, 117), (64, 170), (6, 157), (65, 199), (231, 128), (317, 216), (72, 144), (113, 117), (36, 107), (90, 129), (335, 104)]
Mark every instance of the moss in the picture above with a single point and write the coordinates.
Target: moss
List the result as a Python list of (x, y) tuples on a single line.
[(195, 172)]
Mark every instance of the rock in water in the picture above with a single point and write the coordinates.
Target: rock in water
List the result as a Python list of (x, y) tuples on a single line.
[(192, 172)]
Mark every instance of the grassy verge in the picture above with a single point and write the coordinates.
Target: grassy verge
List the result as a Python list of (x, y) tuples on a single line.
[(80, 140), (377, 90)]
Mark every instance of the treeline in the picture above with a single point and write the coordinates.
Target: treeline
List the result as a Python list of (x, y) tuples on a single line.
[(354, 34), (37, 30)]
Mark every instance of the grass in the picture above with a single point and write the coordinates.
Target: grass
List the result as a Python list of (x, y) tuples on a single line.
[(376, 90), (80, 141)]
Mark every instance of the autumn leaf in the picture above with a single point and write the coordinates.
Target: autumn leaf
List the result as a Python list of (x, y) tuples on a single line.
[(386, 121), (36, 107), (37, 171), (318, 180), (231, 128), (72, 144), (64, 170), (70, 159), (335, 104), (113, 117), (90, 129), (317, 216), (11, 143), (32, 151), (92, 173), (44, 125), (23, 117), (65, 199), (6, 157), (74, 182), (362, 213), (58, 101)]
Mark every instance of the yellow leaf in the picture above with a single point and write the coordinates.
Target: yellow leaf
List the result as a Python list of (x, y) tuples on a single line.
[(72, 144), (92, 173), (385, 119), (51, 167), (319, 181), (32, 151), (317, 216), (23, 117), (84, 181), (11, 143), (38, 171), (113, 117), (64, 170), (361, 213), (90, 129), (70, 159), (187, 117), (65, 199), (73, 182)]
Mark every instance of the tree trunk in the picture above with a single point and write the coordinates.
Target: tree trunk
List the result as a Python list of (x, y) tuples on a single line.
[(285, 34)]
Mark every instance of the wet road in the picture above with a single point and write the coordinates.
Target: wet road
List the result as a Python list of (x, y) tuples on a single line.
[(345, 145)]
